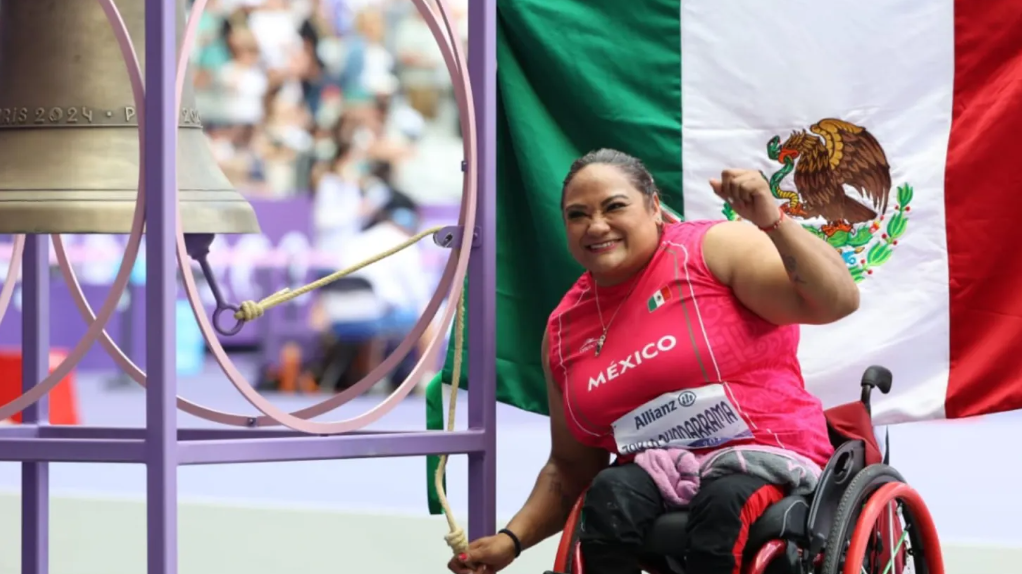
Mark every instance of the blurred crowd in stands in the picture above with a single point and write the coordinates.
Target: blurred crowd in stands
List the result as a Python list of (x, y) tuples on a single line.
[(348, 101), (292, 90)]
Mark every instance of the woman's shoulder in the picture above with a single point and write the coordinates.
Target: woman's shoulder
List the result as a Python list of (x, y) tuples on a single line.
[(690, 229), (573, 297), (691, 234), (697, 238)]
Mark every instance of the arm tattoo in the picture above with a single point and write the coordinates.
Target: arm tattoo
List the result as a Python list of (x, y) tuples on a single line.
[(558, 490), (791, 266)]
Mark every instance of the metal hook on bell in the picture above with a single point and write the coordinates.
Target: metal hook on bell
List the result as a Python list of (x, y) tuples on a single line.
[(197, 245)]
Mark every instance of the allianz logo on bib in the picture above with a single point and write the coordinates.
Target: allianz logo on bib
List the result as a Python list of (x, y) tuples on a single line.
[(632, 360), (702, 424), (713, 426), (699, 417)]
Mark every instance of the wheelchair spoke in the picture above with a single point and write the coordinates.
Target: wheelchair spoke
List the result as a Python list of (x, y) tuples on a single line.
[(901, 542), (900, 548)]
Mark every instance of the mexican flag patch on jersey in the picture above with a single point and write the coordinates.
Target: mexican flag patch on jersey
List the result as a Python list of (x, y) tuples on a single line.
[(658, 299)]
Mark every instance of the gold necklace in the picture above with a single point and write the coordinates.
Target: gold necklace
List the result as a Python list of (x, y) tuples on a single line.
[(599, 312)]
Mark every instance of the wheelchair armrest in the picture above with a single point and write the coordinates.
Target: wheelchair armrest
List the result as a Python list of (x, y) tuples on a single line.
[(848, 460)]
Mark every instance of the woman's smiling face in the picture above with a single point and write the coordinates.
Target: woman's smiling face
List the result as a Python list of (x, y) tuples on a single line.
[(612, 227)]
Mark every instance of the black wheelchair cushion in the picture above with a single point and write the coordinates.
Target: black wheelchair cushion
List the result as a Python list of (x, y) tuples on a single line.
[(785, 520)]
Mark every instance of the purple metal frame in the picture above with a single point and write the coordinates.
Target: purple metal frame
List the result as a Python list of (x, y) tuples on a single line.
[(161, 446)]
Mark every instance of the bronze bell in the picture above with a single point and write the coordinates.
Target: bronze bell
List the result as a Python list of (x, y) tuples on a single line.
[(69, 131)]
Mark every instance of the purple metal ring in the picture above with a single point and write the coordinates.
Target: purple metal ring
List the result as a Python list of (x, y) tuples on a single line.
[(274, 415), (219, 313)]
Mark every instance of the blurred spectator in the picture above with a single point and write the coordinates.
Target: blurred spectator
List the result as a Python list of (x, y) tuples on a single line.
[(339, 208), (242, 81), (397, 281), (422, 74)]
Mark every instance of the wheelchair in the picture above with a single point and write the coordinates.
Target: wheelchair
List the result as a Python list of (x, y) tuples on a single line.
[(862, 518)]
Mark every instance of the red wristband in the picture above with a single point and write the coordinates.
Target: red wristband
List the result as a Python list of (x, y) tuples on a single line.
[(776, 224)]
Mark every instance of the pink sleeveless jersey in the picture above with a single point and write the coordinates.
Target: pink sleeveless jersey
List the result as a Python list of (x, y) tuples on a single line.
[(684, 363)]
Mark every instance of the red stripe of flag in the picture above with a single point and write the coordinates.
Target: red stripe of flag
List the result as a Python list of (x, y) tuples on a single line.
[(983, 202)]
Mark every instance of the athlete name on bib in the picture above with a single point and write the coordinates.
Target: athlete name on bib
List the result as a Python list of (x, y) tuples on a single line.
[(692, 418)]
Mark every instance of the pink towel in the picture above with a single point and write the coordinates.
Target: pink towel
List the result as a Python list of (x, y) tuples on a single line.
[(678, 472), (675, 472)]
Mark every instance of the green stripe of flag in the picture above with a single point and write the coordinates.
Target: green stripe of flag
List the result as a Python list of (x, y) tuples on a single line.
[(573, 75)]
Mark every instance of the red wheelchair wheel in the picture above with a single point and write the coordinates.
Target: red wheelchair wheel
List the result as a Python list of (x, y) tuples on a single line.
[(919, 531), (568, 560), (882, 525)]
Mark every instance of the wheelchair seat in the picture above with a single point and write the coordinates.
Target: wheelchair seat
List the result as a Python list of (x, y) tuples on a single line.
[(784, 520)]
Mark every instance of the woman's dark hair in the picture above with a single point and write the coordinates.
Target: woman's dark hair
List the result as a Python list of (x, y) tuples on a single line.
[(632, 167)]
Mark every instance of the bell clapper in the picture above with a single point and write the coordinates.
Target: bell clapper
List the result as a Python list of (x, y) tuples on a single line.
[(197, 245)]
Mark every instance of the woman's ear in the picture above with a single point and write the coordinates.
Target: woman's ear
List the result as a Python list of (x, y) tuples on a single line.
[(658, 213)]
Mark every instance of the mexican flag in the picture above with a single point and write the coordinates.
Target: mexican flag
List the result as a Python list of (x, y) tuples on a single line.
[(911, 109)]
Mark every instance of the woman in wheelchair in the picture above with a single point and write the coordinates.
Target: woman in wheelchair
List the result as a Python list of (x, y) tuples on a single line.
[(676, 352)]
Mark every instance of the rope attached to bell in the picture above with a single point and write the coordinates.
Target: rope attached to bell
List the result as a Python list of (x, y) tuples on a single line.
[(456, 538), (251, 310)]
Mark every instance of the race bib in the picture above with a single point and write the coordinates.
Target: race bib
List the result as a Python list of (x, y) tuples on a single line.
[(690, 419)]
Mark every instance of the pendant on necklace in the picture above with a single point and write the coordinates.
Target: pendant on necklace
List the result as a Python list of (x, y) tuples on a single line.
[(599, 344)]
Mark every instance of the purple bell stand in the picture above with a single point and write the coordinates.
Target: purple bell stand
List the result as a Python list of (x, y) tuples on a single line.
[(161, 445)]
